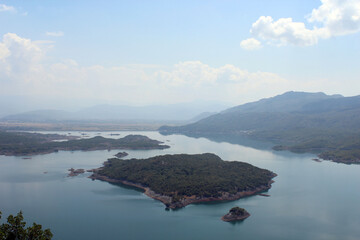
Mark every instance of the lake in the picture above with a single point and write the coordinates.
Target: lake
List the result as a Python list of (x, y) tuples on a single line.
[(309, 200)]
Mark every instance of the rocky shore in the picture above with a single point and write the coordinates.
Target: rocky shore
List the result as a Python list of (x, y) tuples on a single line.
[(75, 172), (121, 154), (168, 201)]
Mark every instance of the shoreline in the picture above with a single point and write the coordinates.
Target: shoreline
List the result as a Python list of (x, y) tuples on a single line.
[(230, 218), (7, 153), (167, 200)]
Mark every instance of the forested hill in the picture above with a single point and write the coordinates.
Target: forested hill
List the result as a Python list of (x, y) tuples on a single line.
[(289, 111), (321, 121)]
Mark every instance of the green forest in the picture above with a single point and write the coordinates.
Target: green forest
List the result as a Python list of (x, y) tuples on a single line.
[(204, 175), (24, 144)]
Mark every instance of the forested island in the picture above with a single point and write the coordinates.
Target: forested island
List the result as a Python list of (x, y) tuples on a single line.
[(235, 214), (27, 144), (182, 179)]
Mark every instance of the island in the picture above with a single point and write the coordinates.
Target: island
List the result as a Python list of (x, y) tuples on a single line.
[(182, 179), (75, 172), (235, 214), (121, 154), (27, 144)]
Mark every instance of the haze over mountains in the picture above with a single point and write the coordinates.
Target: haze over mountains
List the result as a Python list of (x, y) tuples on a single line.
[(295, 121), (173, 112)]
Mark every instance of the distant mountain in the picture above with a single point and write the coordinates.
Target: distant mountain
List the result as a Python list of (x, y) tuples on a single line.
[(39, 116), (303, 122), (291, 110), (287, 102), (202, 116), (175, 112)]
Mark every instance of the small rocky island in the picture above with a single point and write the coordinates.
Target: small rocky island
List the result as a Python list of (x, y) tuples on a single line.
[(121, 154), (182, 179), (28, 144), (235, 214), (75, 172)]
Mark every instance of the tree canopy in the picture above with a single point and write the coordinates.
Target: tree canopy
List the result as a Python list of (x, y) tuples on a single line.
[(15, 228), (179, 175)]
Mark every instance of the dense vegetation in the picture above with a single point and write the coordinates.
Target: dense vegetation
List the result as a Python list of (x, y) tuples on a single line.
[(237, 211), (15, 229), (299, 122), (235, 214), (180, 175), (20, 144), (341, 147)]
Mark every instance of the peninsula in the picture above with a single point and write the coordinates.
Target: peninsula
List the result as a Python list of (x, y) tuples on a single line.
[(27, 144), (182, 179)]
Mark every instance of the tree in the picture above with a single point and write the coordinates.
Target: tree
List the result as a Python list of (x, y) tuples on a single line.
[(15, 229)]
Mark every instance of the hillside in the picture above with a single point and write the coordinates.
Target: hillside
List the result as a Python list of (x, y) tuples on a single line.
[(300, 122), (287, 102)]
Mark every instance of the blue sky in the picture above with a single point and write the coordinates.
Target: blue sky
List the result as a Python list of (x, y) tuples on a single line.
[(178, 51)]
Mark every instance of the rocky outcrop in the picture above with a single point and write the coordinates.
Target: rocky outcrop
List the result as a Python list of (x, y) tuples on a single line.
[(235, 214), (121, 154), (75, 172)]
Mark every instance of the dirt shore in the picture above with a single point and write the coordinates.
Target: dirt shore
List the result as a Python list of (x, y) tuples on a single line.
[(167, 200)]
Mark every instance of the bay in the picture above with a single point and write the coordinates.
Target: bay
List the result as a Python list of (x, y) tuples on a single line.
[(309, 200)]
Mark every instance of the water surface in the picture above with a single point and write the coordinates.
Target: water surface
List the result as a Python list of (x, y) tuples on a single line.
[(309, 200)]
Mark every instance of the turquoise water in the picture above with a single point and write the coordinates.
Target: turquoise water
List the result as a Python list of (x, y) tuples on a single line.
[(309, 200)]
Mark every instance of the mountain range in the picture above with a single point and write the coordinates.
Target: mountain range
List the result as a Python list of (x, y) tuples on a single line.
[(289, 111), (182, 112)]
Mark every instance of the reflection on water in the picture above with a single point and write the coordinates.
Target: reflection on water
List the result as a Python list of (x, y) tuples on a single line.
[(234, 139), (309, 200)]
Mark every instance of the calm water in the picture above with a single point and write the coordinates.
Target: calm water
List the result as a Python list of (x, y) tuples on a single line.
[(309, 200)]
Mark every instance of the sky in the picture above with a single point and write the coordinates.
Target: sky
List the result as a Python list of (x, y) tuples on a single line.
[(63, 54)]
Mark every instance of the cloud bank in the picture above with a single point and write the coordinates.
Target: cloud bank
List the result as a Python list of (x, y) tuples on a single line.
[(332, 18), (6, 8), (25, 71)]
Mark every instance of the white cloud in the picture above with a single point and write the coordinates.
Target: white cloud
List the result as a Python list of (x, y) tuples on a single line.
[(55, 34), (284, 31), (335, 18), (23, 71), (6, 8), (339, 17), (4, 51), (250, 44), (19, 56)]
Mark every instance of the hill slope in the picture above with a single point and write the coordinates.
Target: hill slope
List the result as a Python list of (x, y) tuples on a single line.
[(301, 122)]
